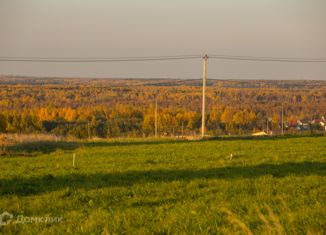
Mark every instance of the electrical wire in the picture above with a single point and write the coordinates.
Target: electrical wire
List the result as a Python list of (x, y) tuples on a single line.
[(108, 59), (269, 59), (160, 58)]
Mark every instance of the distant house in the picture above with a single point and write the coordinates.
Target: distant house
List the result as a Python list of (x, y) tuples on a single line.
[(261, 133), (319, 122), (303, 127), (293, 123), (316, 121), (298, 125)]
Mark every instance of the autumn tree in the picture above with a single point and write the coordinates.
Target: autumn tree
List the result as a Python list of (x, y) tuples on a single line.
[(227, 118), (3, 123), (214, 120)]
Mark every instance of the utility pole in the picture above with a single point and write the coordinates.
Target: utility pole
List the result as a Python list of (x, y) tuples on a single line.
[(88, 130), (156, 118), (282, 119), (205, 59)]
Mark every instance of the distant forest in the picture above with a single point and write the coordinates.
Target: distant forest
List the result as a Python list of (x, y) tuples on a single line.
[(114, 108)]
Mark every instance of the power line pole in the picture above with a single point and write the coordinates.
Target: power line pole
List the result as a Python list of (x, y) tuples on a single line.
[(156, 118), (205, 59), (88, 130), (282, 119)]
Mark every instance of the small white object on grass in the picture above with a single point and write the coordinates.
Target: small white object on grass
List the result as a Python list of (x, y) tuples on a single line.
[(73, 160), (231, 156)]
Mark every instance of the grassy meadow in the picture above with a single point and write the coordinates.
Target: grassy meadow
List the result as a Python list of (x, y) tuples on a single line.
[(221, 186)]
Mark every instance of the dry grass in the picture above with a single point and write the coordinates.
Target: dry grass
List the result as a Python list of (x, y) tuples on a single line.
[(234, 220), (7, 140), (26, 138)]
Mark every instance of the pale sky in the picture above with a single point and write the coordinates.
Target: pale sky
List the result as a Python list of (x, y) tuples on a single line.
[(113, 28)]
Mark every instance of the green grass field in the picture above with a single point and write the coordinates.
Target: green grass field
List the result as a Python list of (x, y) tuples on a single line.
[(268, 186)]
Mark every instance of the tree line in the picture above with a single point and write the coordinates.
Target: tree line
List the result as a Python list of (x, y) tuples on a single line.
[(111, 108)]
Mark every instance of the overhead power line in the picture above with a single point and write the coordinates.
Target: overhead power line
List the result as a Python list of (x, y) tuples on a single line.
[(159, 58), (106, 59), (269, 59)]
